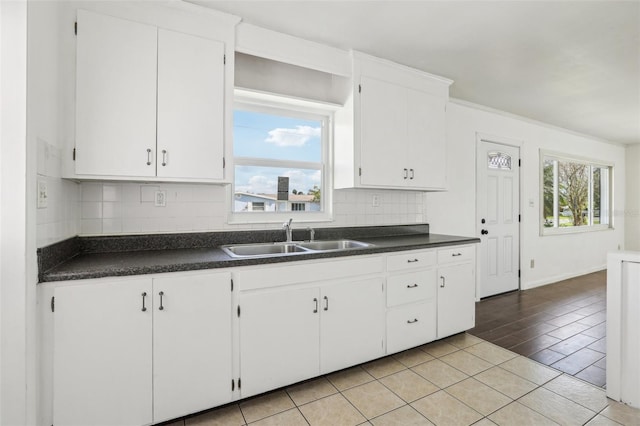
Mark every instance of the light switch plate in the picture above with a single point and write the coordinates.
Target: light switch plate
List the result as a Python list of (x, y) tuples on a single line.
[(160, 199), (42, 195)]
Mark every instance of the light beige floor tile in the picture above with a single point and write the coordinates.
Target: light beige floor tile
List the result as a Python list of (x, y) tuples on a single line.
[(484, 422), (413, 357), (439, 348), (530, 370), (622, 413), (463, 340), (408, 385), (306, 392), (291, 417), (557, 408), (602, 421), (516, 414), (229, 415), (266, 405), (587, 395), (478, 396), (491, 353), (444, 410), (383, 367), (349, 378), (439, 373), (405, 416), (330, 411), (466, 362), (373, 399), (506, 382)]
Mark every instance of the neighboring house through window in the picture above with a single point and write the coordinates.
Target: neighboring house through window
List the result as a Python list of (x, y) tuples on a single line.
[(281, 152)]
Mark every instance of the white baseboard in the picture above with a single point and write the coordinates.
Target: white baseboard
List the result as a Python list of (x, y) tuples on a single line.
[(561, 277)]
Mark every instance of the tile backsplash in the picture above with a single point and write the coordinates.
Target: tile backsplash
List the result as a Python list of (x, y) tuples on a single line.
[(108, 208)]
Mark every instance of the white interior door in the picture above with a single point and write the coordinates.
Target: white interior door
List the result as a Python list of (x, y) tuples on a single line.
[(498, 201)]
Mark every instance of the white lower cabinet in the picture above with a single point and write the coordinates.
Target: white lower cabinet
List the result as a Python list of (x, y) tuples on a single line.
[(102, 354), (306, 327), (456, 299), (125, 354), (191, 344), (279, 338)]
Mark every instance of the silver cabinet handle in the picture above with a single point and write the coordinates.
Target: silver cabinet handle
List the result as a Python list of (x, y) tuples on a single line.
[(315, 310), (456, 254), (144, 308), (412, 285), (164, 157), (161, 308), (443, 282), (406, 173), (326, 303), (412, 260), (412, 174), (413, 321), (148, 156)]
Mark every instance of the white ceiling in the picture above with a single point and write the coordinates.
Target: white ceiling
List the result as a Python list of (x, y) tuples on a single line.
[(573, 64)]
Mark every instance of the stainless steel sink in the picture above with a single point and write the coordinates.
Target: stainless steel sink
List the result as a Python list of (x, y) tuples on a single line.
[(268, 249), (283, 249), (328, 245)]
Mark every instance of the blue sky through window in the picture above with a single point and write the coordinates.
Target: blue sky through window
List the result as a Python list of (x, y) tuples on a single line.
[(275, 137)]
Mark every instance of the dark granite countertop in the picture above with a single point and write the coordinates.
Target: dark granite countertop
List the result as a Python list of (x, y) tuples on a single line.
[(96, 257)]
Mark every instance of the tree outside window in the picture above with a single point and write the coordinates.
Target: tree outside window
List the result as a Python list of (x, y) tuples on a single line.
[(574, 194)]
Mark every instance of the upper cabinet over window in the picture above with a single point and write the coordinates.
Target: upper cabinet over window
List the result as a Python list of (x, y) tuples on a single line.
[(150, 102), (391, 132)]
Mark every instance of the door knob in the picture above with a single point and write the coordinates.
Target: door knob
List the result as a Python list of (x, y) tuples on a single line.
[(484, 232)]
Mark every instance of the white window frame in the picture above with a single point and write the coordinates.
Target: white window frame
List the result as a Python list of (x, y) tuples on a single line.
[(269, 103), (557, 230)]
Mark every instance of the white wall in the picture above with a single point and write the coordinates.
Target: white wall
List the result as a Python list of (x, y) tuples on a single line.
[(556, 257), (632, 211), (17, 248)]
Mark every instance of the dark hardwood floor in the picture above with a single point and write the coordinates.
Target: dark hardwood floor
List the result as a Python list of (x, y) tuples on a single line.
[(562, 325)]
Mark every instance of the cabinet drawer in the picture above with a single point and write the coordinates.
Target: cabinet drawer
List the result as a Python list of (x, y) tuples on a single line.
[(456, 254), (411, 260), (411, 325), (411, 287)]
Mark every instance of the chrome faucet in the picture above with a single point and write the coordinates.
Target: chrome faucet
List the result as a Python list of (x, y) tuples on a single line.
[(312, 233), (287, 228)]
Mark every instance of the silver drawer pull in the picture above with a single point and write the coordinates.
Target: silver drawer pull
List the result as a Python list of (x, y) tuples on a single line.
[(443, 281), (148, 156), (315, 310), (164, 157), (161, 308), (412, 260), (413, 321), (412, 285), (456, 254)]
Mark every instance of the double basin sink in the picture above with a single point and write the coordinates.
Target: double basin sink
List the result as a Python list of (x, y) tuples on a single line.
[(289, 248)]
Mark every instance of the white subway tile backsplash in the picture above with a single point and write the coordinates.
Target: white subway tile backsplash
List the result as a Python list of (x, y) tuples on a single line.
[(113, 208)]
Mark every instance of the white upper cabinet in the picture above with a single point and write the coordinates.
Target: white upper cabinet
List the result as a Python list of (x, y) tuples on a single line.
[(190, 106), (150, 102), (115, 96), (391, 132)]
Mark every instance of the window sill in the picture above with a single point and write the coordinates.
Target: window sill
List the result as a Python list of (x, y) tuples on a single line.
[(272, 218), (548, 232)]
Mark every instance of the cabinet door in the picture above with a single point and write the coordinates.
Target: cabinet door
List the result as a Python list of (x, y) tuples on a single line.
[(102, 354), (191, 344), (190, 106), (352, 323), (279, 338), (115, 96), (456, 299), (426, 126), (383, 133)]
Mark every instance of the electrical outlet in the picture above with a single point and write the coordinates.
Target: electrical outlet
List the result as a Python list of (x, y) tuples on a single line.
[(160, 199), (375, 201), (533, 263), (43, 196)]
